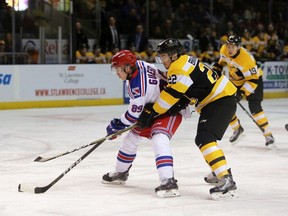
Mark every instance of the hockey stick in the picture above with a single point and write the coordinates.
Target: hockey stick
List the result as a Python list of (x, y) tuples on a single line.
[(250, 116), (44, 159), (37, 190)]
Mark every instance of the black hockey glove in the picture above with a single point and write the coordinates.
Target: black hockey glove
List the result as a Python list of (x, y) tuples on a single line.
[(239, 95), (217, 68), (182, 103), (147, 116)]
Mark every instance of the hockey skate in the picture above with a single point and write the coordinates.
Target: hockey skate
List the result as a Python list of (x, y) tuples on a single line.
[(115, 177), (270, 142), (211, 178), (168, 188), (224, 189), (236, 135)]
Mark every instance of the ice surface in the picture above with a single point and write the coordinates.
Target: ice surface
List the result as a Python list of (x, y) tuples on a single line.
[(261, 174)]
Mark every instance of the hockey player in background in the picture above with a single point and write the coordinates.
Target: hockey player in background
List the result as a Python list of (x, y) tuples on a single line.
[(192, 82), (144, 82), (247, 77)]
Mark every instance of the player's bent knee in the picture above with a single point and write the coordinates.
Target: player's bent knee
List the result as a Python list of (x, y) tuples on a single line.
[(255, 107), (130, 142), (204, 137)]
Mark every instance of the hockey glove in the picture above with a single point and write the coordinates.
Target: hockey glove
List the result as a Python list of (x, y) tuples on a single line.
[(217, 68), (115, 126), (147, 116), (239, 95), (182, 103)]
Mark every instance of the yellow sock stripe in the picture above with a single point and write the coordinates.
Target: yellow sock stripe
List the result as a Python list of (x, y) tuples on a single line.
[(215, 158), (234, 118), (256, 115), (208, 145), (225, 172), (220, 168), (214, 154), (262, 121)]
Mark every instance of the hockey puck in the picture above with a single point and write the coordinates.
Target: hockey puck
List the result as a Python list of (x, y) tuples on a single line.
[(286, 126)]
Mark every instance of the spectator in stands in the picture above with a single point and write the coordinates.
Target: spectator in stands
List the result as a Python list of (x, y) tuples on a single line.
[(284, 56), (130, 21), (210, 55), (33, 55), (103, 12), (32, 51), (247, 41), (83, 56), (110, 54), (168, 29), (28, 24), (207, 38), (260, 45), (155, 18), (167, 10), (138, 38), (3, 56), (189, 53), (273, 50), (8, 42), (157, 32), (132, 48), (271, 31), (110, 36), (180, 17), (99, 57), (81, 37), (148, 55), (7, 19)]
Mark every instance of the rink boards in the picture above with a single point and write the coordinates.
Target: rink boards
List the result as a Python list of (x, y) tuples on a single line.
[(34, 86)]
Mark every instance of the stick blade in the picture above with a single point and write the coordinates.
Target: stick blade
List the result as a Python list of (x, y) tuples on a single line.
[(26, 188), (42, 159), (31, 189), (38, 159)]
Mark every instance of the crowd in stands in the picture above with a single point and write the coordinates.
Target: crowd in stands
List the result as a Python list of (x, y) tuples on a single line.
[(263, 26), (266, 36)]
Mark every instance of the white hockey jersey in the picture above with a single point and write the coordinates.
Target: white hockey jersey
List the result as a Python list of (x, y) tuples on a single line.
[(144, 87)]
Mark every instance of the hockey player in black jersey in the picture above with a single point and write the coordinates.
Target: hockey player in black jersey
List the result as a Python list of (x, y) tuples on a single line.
[(191, 81), (245, 74)]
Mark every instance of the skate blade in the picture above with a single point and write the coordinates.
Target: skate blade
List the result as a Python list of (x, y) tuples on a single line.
[(226, 196), (117, 182), (168, 193)]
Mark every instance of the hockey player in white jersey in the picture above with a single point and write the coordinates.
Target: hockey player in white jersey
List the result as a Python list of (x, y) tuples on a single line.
[(144, 83)]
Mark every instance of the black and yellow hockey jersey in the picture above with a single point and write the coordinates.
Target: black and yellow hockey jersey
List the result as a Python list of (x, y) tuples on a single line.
[(187, 75), (243, 70)]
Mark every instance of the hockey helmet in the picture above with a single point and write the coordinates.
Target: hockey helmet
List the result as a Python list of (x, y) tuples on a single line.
[(123, 58), (170, 46), (234, 39)]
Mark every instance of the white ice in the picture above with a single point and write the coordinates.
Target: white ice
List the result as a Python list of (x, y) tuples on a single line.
[(261, 174)]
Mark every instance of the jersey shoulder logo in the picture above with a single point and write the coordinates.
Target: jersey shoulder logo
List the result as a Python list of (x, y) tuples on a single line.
[(136, 92), (192, 60)]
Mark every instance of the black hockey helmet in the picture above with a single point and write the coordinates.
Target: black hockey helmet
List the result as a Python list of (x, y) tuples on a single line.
[(170, 46), (234, 39)]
